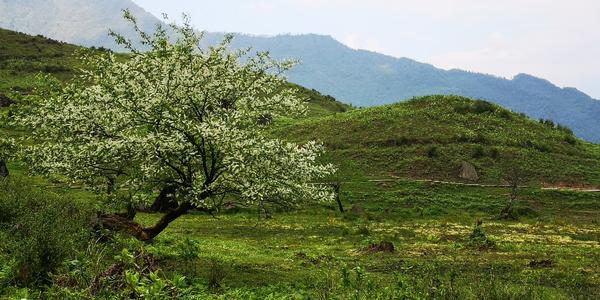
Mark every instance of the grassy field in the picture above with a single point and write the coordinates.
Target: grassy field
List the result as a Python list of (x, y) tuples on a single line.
[(316, 252), (552, 251)]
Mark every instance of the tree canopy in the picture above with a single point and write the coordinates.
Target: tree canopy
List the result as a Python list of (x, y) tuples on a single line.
[(180, 116)]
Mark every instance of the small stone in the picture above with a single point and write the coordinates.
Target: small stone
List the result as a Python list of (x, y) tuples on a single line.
[(468, 172), (357, 209)]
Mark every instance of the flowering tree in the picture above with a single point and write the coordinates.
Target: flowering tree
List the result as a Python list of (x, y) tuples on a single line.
[(177, 118)]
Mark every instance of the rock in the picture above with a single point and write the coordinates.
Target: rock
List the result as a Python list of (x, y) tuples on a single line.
[(5, 101), (301, 255), (468, 172), (3, 169), (384, 246), (544, 263), (357, 209)]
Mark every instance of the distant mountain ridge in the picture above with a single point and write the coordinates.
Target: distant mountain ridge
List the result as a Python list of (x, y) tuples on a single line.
[(359, 77)]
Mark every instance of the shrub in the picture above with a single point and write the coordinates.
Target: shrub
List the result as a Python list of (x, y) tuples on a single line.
[(571, 140), (476, 107), (481, 107), (216, 274), (564, 129), (432, 151), (42, 230), (494, 153), (505, 114), (479, 239), (478, 152), (362, 230)]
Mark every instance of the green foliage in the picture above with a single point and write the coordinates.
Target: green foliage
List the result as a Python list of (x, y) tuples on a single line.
[(216, 274), (479, 239), (476, 107), (315, 253), (400, 139), (40, 230), (478, 152), (432, 151)]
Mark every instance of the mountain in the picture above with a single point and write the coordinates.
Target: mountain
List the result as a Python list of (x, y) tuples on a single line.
[(357, 77), (82, 22), (365, 78)]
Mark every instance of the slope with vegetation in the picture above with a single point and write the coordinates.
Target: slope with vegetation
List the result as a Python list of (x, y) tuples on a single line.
[(50, 249), (429, 137), (23, 57), (358, 77)]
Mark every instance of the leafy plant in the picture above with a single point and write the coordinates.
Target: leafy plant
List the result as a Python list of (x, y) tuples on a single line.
[(195, 122)]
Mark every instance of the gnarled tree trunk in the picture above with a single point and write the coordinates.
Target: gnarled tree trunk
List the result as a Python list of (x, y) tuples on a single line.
[(118, 222), (165, 200), (125, 223)]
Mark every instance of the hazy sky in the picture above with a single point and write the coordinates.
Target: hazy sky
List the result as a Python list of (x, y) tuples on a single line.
[(555, 39)]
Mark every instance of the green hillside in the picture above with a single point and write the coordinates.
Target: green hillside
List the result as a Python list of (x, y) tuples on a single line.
[(23, 56), (429, 137), (314, 251)]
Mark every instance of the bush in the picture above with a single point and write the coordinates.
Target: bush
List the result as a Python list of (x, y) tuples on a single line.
[(494, 153), (216, 274), (478, 152), (477, 107), (505, 114), (479, 239), (571, 140), (42, 230), (565, 129), (432, 151)]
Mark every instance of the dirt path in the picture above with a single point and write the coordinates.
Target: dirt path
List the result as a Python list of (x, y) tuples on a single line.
[(580, 190)]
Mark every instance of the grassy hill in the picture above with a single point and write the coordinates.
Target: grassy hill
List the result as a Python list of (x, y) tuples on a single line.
[(360, 77), (23, 56), (317, 252), (429, 137)]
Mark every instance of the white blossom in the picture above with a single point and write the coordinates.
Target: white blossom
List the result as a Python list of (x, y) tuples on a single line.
[(179, 115)]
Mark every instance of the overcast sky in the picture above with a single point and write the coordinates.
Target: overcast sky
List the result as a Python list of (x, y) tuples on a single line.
[(555, 39)]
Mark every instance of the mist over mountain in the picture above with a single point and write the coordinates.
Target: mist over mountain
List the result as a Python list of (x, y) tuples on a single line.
[(359, 77), (82, 22)]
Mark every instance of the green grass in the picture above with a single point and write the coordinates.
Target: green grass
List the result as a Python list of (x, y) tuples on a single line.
[(428, 137), (23, 56), (317, 252)]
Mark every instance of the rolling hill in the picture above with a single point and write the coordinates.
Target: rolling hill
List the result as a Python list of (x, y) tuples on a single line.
[(357, 77), (429, 137), (424, 138)]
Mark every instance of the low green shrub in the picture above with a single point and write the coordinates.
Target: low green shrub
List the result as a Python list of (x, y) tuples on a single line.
[(479, 239), (40, 229)]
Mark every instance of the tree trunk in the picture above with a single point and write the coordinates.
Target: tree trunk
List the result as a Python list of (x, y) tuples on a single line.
[(3, 169), (165, 201), (336, 188), (507, 212), (118, 222), (125, 222)]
